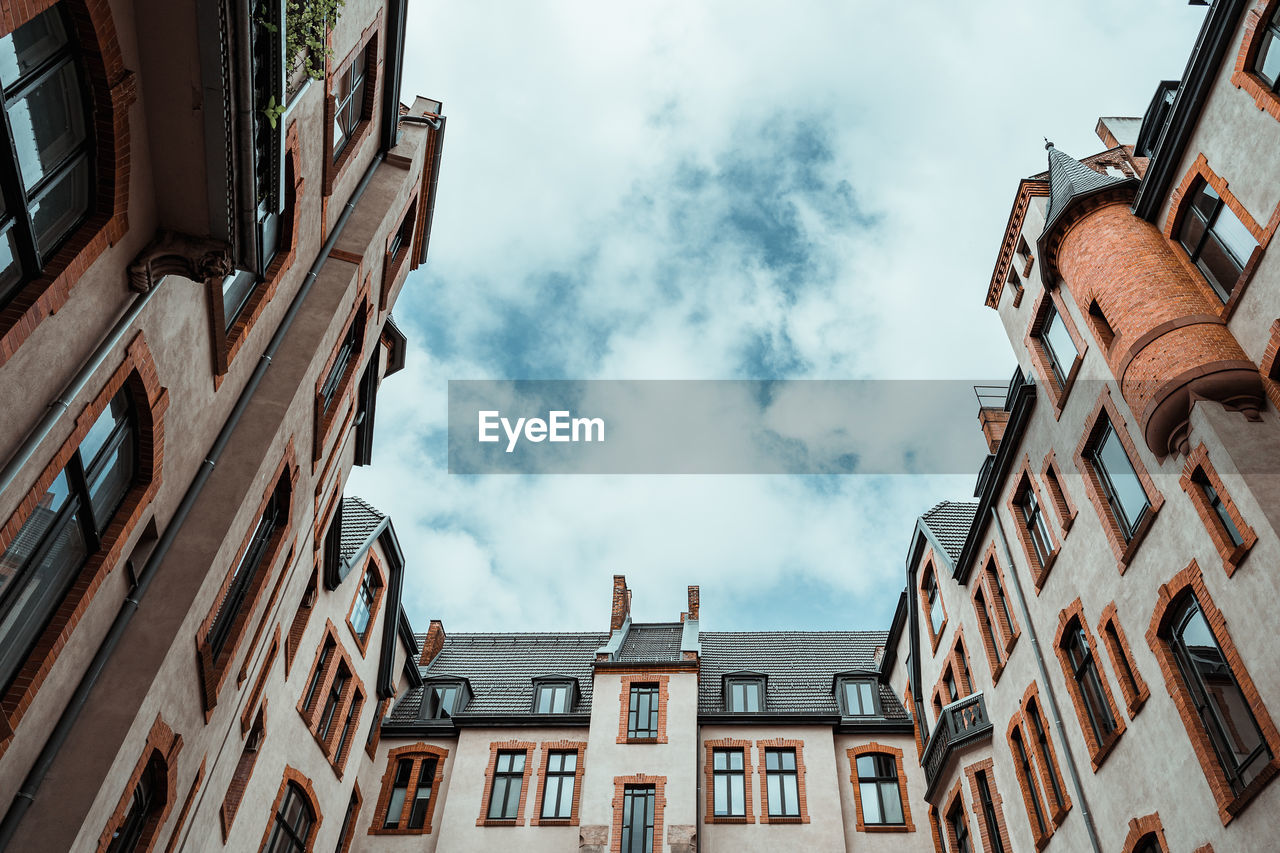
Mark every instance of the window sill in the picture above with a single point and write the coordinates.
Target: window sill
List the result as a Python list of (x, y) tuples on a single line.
[(1130, 548), (887, 827), (1228, 810), (642, 740), (511, 821), (787, 819), (739, 819), (556, 821), (1042, 573), (1099, 756), (426, 830)]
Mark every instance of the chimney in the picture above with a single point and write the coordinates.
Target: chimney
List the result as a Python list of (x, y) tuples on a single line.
[(993, 420), (621, 603), (693, 603), (434, 642)]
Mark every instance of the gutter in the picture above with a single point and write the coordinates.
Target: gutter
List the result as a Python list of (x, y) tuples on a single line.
[(30, 787)]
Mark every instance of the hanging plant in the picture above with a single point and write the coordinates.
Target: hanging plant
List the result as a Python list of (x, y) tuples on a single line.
[(306, 29)]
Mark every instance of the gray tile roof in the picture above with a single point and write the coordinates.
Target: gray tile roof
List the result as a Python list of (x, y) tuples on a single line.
[(1069, 178), (950, 522), (652, 643), (800, 666), (500, 669), (359, 520)]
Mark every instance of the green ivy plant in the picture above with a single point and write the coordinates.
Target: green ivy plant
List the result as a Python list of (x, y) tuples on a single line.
[(273, 111), (306, 26)]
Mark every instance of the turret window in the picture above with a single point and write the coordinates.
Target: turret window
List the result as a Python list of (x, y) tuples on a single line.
[(1218, 242)]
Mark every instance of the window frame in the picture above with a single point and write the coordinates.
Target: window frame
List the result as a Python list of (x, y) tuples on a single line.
[(635, 692), (554, 683), (508, 775), (290, 789), (422, 762), (374, 580), (725, 777), (929, 583), (1202, 483), (844, 681), (1058, 375), (649, 823), (878, 779), (745, 680), (367, 49), (778, 776), (431, 707), (556, 778), (1189, 212), (1087, 684)]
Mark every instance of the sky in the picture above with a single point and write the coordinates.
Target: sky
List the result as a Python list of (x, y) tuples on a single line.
[(714, 190)]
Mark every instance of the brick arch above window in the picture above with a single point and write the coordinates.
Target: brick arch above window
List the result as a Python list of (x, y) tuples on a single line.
[(874, 748), (161, 751), (113, 89), (137, 373), (1142, 829), (295, 777)]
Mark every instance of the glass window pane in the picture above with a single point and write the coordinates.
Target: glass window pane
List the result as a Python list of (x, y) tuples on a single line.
[(870, 803), (98, 434), (890, 794), (775, 796), (1268, 66), (737, 800), (111, 481), (1218, 267), (864, 692), (1191, 230), (47, 124), (61, 206), (31, 44), (10, 271), (791, 795), (1234, 235), (1060, 343), (1128, 488), (866, 767), (1205, 199), (722, 795)]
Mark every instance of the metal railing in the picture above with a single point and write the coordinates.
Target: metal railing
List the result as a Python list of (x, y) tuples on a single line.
[(962, 722)]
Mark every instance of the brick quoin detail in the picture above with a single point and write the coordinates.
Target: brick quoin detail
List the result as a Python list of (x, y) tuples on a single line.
[(1069, 619), (927, 571), (874, 748), (113, 90), (162, 746), (1190, 581), (213, 671), (781, 743), (580, 747), (419, 753), (1132, 686), (1123, 551), (985, 832), (137, 373), (1055, 484), (303, 783), (708, 794), (1141, 828), (1232, 555), (1024, 482), (660, 679), (527, 748), (620, 784), (187, 803)]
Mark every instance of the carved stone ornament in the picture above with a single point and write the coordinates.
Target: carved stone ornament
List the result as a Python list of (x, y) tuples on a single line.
[(170, 253)]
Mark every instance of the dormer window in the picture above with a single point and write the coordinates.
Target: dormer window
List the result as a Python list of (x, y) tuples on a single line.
[(443, 699), (554, 696), (744, 693), (856, 696)]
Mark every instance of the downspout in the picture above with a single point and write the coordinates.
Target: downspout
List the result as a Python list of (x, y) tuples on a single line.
[(1048, 687), (31, 785)]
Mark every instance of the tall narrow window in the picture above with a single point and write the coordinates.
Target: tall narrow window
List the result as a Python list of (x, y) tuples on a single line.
[(1217, 241), (1045, 751), (146, 802), (1219, 508), (1058, 344), (65, 528), (959, 828), (317, 675), (46, 164), (1101, 326), (1036, 529), (729, 781), (1124, 492), (995, 842), (332, 701), (399, 791), (1222, 707), (422, 793), (348, 350), (508, 784), (878, 790), (348, 725), (1030, 787), (637, 818), (349, 98), (557, 795), (1089, 685), (782, 781), (366, 598), (294, 820), (348, 818), (1267, 65), (933, 602), (248, 569), (642, 713), (1149, 843)]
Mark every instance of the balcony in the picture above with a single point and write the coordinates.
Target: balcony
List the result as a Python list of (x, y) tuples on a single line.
[(963, 722)]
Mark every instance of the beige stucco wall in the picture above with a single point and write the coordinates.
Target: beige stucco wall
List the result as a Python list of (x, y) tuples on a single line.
[(370, 782)]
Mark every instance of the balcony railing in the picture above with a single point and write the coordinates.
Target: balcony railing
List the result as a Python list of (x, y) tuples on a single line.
[(963, 722)]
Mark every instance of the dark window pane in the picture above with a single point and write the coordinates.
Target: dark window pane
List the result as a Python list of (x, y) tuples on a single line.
[(47, 123), (1268, 65), (61, 205), (1234, 235), (31, 44), (1125, 489), (1191, 231), (1218, 266), (111, 481)]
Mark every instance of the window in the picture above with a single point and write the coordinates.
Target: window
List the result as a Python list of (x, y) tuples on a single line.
[(995, 841), (949, 685), (403, 237), (317, 674), (348, 725), (638, 818), (1044, 750), (1101, 327), (1120, 484), (407, 791), (1217, 241), (782, 782), (1215, 503), (990, 640), (351, 106), (1037, 532), (246, 573), (1148, 843), (65, 528), (399, 792), (933, 602), (746, 695), (1222, 707), (294, 821), (729, 777), (146, 802), (642, 713), (1132, 686), (1267, 65), (858, 696), (557, 795), (552, 698), (444, 699), (46, 165), (878, 790), (959, 826), (422, 793), (1058, 495), (332, 701), (1088, 684), (348, 350), (348, 823), (508, 785), (366, 602), (1030, 787), (1058, 344), (300, 619)]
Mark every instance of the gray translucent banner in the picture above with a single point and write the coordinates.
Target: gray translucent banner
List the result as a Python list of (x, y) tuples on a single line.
[(717, 426)]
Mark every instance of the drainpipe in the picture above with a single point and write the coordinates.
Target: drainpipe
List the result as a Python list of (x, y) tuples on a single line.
[(66, 722), (1048, 687)]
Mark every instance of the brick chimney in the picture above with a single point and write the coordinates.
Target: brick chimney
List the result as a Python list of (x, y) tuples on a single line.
[(993, 420), (621, 602), (693, 603), (434, 642)]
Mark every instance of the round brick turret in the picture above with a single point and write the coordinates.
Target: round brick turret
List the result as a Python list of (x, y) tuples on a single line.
[(1160, 329)]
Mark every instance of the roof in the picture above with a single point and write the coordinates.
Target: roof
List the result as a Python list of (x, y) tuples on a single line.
[(360, 521), (1068, 180), (799, 666), (501, 667), (949, 522), (652, 643)]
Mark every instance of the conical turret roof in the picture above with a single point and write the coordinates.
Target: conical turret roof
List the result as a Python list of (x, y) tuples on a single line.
[(1068, 180)]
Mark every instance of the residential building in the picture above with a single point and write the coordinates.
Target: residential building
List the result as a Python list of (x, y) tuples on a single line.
[(205, 230), (1087, 649)]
